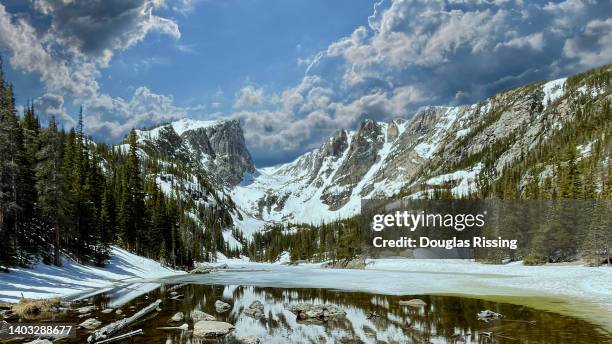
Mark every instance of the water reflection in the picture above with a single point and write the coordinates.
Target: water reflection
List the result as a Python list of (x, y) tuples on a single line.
[(370, 318)]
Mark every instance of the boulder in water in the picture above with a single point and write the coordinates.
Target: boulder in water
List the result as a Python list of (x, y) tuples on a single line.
[(179, 316), (255, 310), (222, 307), (212, 329), (199, 315), (249, 340), (316, 313), (91, 324), (488, 315)]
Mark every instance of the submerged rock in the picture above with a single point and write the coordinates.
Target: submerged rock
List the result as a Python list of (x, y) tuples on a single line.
[(212, 329), (222, 307), (322, 312), (118, 312), (91, 324), (255, 310), (413, 303), (179, 316), (488, 315), (86, 309), (249, 340), (40, 341), (199, 315)]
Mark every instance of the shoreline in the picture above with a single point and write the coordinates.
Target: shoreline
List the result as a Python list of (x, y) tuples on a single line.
[(576, 291)]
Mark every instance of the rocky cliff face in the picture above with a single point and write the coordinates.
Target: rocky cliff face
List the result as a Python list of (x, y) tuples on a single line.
[(438, 145), (216, 146)]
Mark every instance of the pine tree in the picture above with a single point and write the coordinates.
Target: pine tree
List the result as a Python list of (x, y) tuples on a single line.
[(51, 185)]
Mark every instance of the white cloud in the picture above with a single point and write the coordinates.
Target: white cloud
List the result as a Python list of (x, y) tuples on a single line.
[(249, 97), (68, 54)]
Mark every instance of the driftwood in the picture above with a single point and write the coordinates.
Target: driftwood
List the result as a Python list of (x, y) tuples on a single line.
[(123, 336), (108, 330)]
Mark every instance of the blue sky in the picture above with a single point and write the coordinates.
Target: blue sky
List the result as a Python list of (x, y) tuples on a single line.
[(292, 71)]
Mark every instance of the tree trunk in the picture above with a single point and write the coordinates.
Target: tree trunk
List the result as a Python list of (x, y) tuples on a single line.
[(56, 246)]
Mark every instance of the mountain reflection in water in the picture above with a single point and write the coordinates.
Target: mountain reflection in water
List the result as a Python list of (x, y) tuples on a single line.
[(445, 319)]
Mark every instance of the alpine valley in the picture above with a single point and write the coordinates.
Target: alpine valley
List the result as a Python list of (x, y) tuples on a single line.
[(546, 140), (189, 191)]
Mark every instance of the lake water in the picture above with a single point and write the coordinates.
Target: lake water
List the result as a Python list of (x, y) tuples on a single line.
[(445, 319)]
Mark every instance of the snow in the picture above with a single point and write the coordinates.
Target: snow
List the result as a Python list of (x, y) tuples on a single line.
[(230, 240), (465, 180), (180, 126), (187, 124), (426, 149), (573, 290), (45, 281), (302, 187), (553, 90)]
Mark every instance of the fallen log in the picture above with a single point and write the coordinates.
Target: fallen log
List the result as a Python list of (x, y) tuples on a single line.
[(114, 327), (123, 336)]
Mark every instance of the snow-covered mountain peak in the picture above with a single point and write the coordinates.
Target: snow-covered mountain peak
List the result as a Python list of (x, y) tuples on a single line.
[(217, 146)]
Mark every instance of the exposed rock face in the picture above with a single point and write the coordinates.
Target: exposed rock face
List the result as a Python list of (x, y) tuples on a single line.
[(211, 329), (355, 263), (216, 146), (415, 155)]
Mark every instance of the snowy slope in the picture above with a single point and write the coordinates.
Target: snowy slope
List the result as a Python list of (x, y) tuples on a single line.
[(413, 156), (295, 191), (45, 281)]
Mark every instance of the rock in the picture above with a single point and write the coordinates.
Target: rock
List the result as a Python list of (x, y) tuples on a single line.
[(249, 340), (488, 315), (91, 324), (413, 303), (84, 315), (316, 313), (40, 341), (86, 309), (179, 316), (211, 329), (203, 269), (178, 297), (107, 311), (255, 310), (222, 307), (118, 312), (199, 315), (173, 293), (355, 263)]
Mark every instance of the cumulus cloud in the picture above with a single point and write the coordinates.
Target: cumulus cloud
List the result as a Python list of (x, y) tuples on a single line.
[(70, 46), (407, 54), (250, 96), (415, 53)]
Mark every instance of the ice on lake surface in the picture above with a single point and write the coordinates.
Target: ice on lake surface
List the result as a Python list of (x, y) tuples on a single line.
[(372, 316)]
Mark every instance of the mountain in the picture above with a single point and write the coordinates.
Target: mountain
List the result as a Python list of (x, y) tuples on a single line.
[(216, 146), (438, 145), (458, 147)]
